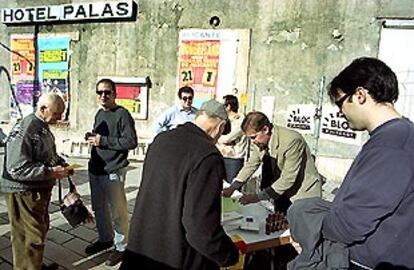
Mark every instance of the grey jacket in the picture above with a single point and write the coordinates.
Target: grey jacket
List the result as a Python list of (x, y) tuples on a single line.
[(30, 153), (305, 221)]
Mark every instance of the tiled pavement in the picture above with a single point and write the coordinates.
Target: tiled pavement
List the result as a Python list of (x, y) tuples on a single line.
[(65, 245)]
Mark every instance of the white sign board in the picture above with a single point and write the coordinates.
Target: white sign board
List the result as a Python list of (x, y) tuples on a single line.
[(268, 104), (300, 117), (335, 127), (68, 12)]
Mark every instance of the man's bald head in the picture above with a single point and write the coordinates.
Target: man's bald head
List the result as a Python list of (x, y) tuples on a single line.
[(50, 108)]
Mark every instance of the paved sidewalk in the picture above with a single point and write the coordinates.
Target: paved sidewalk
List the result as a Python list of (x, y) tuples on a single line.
[(65, 245)]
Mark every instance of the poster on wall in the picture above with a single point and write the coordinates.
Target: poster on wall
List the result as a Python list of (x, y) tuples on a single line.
[(22, 73), (54, 52), (132, 94), (335, 127), (300, 117), (206, 62)]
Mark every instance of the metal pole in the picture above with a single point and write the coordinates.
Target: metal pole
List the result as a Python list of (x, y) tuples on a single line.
[(36, 89), (318, 116)]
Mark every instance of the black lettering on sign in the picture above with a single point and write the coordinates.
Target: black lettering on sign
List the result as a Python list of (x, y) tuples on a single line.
[(8, 16), (80, 12), (16, 67), (67, 10), (49, 14), (30, 12), (122, 9), (41, 13), (209, 74), (30, 67), (187, 76), (107, 9), (91, 14), (18, 15)]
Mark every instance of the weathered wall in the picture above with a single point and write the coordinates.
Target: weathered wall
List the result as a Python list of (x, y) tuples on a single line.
[(294, 43)]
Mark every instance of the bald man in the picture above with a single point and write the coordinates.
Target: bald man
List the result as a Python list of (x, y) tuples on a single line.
[(31, 167)]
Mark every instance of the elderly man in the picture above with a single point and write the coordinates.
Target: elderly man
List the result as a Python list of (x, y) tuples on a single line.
[(31, 167), (176, 220), (179, 114)]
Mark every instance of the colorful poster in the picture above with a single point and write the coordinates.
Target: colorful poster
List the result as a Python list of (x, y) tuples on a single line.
[(335, 127), (128, 95), (23, 61), (132, 94), (22, 75), (198, 67), (300, 117), (54, 54)]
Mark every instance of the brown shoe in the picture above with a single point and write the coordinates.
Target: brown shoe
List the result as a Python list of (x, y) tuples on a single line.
[(115, 258)]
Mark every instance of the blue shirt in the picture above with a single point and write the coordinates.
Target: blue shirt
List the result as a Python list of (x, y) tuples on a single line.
[(173, 117), (373, 209)]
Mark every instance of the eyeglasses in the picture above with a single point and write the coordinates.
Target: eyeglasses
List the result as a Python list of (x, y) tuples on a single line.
[(341, 101), (187, 98), (104, 92)]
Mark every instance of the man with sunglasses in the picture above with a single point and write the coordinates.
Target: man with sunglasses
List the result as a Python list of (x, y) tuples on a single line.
[(178, 114), (112, 137), (372, 212), (288, 168)]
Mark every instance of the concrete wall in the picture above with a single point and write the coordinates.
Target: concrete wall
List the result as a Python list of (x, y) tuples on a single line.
[(294, 43)]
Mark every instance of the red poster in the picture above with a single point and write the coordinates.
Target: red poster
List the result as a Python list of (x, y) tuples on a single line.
[(198, 66)]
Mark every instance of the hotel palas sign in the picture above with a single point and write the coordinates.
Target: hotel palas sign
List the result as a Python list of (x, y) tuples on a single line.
[(114, 10)]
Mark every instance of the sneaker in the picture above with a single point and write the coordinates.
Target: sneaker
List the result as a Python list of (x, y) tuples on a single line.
[(115, 258), (52, 266), (97, 247)]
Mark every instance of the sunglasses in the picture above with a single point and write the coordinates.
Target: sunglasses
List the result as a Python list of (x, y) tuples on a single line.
[(104, 92), (187, 98), (341, 101)]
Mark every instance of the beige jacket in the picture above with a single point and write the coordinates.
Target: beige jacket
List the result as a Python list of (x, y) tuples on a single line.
[(234, 144), (294, 168)]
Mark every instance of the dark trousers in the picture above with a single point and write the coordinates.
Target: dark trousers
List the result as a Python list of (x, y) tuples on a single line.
[(233, 166)]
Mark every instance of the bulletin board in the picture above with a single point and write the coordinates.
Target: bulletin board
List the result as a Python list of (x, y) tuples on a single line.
[(132, 94)]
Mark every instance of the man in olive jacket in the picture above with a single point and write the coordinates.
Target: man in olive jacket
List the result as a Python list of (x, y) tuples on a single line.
[(176, 220), (290, 172)]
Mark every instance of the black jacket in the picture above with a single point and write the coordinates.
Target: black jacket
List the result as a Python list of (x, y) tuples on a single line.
[(176, 220)]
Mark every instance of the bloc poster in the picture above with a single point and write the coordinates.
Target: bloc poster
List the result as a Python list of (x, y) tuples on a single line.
[(335, 127)]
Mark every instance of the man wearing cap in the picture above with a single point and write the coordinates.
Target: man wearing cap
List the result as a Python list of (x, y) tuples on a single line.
[(176, 220)]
